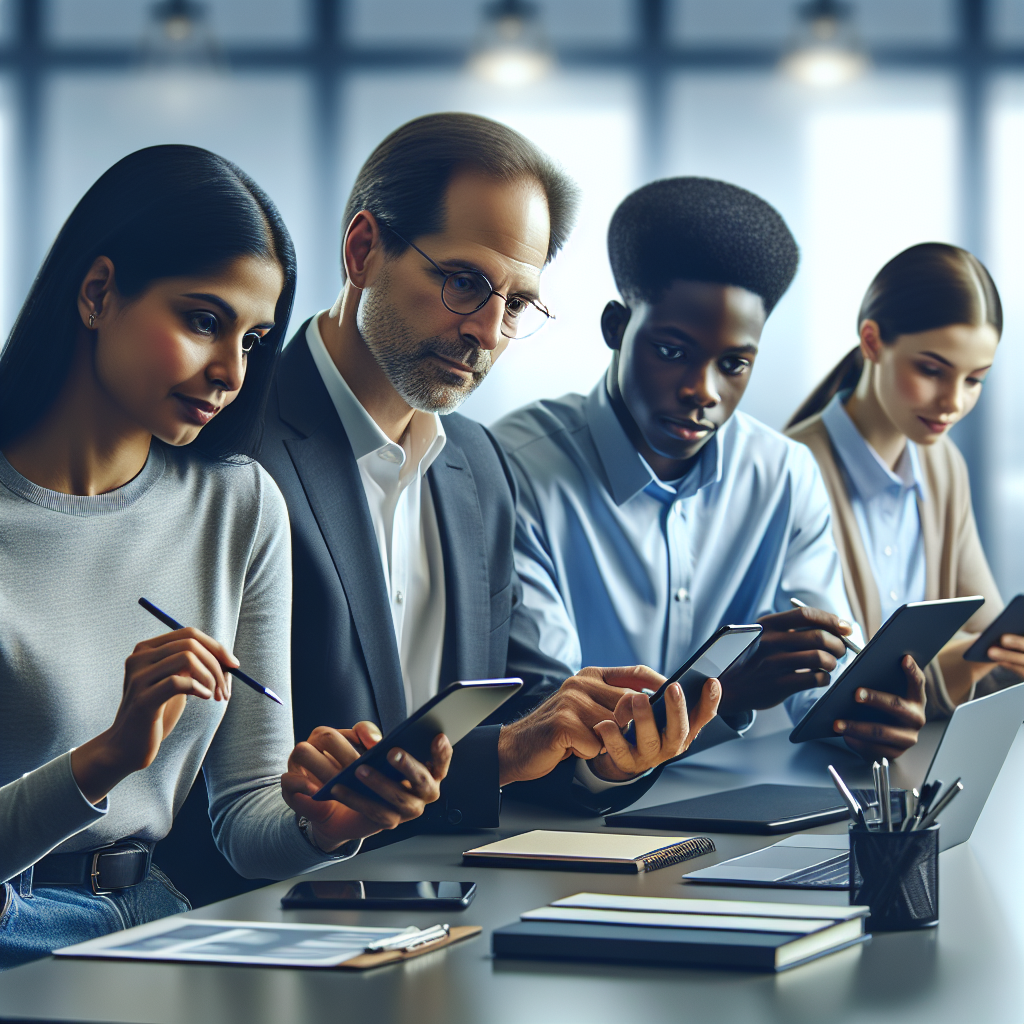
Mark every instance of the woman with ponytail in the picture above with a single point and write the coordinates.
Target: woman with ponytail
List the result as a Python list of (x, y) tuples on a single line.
[(901, 499)]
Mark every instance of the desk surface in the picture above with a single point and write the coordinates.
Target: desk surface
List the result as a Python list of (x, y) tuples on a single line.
[(968, 969)]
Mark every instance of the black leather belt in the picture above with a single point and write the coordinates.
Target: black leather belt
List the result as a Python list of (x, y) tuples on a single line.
[(117, 866)]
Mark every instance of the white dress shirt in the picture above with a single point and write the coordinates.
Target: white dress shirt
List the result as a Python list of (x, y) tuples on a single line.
[(404, 522)]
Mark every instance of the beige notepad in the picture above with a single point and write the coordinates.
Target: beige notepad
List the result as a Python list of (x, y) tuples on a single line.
[(590, 851)]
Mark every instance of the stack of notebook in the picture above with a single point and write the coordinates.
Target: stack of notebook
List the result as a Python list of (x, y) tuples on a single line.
[(653, 930)]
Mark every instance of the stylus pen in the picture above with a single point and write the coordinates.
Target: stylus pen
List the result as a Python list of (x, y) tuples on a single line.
[(856, 811), (236, 672), (927, 796), (876, 781), (850, 645), (886, 807), (910, 809), (409, 940), (944, 801)]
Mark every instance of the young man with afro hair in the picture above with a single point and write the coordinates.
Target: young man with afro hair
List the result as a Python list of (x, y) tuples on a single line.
[(651, 512)]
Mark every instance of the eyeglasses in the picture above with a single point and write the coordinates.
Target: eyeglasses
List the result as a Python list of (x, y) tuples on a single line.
[(466, 291)]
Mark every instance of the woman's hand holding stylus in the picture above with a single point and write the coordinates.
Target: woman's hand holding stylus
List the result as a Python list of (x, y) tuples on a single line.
[(158, 676)]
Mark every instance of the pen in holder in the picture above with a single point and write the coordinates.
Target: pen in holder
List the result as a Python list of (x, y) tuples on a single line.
[(896, 874)]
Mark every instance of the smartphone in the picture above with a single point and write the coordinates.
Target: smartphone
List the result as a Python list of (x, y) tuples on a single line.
[(1009, 620), (455, 711), (345, 895), (716, 655)]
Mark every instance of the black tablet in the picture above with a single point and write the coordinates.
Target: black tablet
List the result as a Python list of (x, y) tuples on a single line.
[(455, 711), (765, 809), (919, 629), (1010, 620)]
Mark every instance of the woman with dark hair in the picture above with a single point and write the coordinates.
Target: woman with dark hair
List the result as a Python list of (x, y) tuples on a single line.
[(901, 499), (131, 396)]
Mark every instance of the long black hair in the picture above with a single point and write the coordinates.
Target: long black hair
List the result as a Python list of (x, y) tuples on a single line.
[(927, 286), (165, 211)]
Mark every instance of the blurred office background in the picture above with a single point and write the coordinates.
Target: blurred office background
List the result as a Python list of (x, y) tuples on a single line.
[(871, 125)]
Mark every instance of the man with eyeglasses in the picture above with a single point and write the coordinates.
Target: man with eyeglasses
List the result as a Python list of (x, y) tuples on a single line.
[(402, 524)]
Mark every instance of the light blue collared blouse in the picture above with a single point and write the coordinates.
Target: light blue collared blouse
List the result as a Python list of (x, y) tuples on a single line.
[(885, 505), (620, 568)]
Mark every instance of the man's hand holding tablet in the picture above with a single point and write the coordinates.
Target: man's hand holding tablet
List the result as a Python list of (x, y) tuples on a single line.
[(353, 816)]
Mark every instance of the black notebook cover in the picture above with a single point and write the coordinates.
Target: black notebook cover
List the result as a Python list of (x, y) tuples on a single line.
[(762, 810), (623, 944)]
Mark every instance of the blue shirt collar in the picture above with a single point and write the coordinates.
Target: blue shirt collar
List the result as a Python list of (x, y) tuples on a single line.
[(867, 473), (627, 470)]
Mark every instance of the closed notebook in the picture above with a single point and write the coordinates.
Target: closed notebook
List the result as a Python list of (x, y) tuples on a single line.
[(590, 851), (676, 932)]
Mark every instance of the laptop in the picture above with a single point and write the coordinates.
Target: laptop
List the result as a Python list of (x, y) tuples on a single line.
[(973, 748)]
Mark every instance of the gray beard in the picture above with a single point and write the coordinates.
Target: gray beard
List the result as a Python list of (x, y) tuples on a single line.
[(424, 384)]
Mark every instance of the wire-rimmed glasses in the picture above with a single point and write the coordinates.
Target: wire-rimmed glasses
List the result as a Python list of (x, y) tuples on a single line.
[(466, 291)]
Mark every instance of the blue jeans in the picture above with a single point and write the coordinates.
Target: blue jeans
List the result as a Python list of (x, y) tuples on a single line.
[(34, 922)]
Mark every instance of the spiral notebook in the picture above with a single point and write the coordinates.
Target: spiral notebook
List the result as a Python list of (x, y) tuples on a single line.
[(590, 851)]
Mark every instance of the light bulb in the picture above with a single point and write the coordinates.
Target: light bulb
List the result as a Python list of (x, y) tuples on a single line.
[(825, 67), (511, 51)]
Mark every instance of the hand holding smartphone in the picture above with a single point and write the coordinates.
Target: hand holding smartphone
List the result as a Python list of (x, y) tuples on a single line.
[(1009, 620), (711, 660)]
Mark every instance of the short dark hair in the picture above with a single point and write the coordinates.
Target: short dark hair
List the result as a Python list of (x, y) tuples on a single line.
[(927, 286), (404, 181), (699, 229), (165, 211)]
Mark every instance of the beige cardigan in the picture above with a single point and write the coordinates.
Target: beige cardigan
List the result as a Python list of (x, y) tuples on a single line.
[(955, 564)]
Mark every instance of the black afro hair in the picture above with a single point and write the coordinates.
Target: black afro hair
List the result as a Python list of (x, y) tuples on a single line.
[(699, 229)]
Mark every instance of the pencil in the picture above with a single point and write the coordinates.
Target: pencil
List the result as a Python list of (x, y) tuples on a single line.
[(236, 672)]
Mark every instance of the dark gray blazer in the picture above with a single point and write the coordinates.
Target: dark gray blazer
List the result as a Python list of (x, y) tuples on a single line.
[(345, 664)]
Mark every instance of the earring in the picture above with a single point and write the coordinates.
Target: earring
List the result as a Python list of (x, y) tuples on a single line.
[(92, 321)]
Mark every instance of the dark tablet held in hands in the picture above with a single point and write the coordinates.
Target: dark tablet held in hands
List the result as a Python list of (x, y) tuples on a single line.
[(712, 659), (920, 629), (455, 711), (1010, 620)]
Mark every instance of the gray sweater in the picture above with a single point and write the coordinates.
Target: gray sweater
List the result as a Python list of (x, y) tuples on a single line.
[(207, 543)]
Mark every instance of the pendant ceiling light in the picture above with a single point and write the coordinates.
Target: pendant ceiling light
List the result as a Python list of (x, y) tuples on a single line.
[(179, 33), (512, 50), (826, 52)]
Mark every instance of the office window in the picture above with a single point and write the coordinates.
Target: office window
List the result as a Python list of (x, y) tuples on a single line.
[(1006, 22), (261, 123), (126, 22), (1005, 413), (858, 175), (457, 22), (774, 22), (881, 176), (589, 124)]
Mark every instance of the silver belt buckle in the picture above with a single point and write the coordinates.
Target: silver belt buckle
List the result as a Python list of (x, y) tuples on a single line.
[(94, 875)]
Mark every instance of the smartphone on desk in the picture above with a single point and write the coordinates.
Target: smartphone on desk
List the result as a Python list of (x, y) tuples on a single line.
[(716, 655), (385, 895)]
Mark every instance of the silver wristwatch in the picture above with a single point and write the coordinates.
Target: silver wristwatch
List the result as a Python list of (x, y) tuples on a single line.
[(305, 827)]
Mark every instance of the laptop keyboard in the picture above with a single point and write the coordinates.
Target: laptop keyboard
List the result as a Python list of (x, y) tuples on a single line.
[(828, 873)]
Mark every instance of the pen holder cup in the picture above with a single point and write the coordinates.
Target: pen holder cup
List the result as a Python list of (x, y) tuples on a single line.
[(896, 874)]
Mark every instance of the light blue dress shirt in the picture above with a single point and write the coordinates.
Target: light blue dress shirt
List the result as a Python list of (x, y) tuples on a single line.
[(620, 568), (885, 505)]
